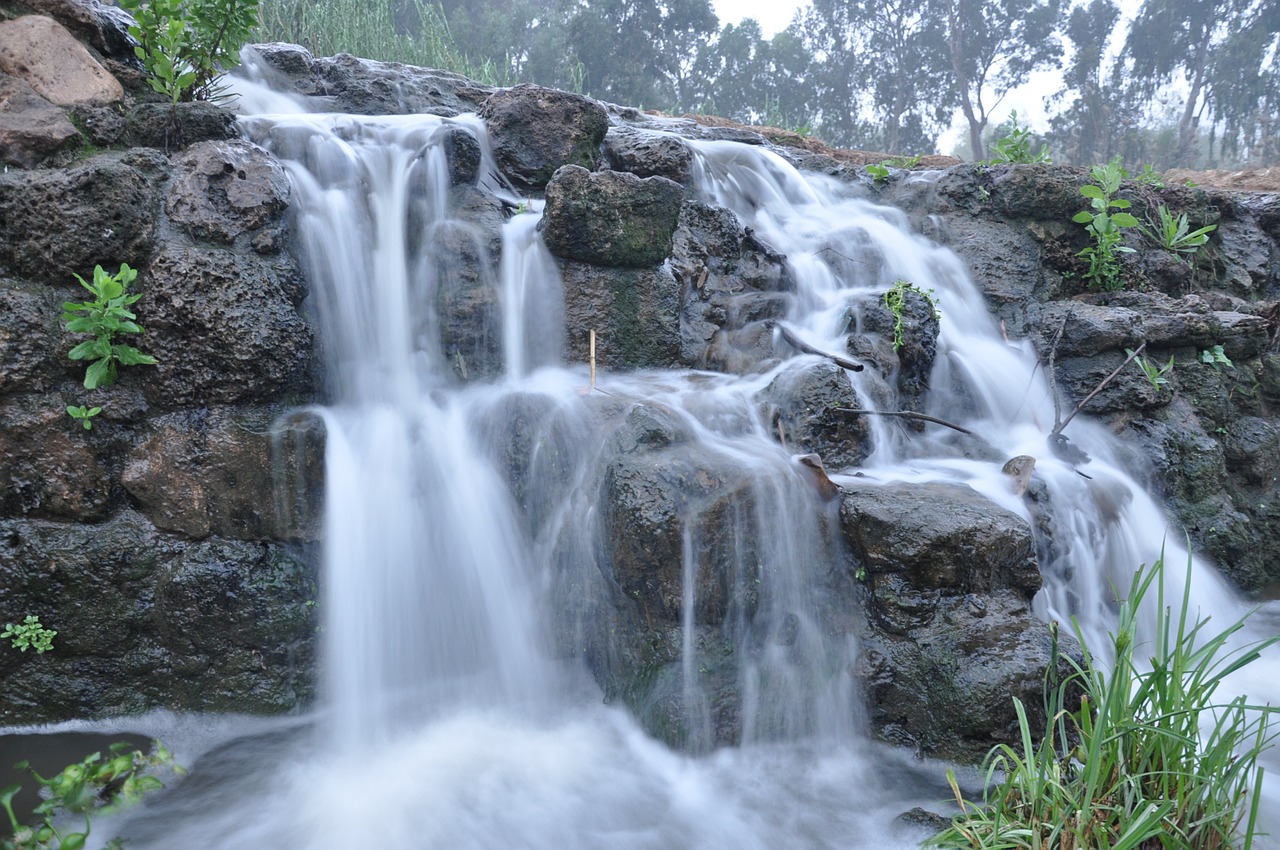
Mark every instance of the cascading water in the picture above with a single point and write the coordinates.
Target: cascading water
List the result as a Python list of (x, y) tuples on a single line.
[(446, 722)]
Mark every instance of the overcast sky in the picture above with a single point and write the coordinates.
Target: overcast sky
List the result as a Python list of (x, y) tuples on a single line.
[(773, 15)]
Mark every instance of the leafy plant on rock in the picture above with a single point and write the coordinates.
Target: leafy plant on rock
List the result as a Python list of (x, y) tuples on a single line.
[(1175, 234), (1152, 371), (1018, 146), (92, 785), (29, 634), (185, 45), (1153, 757), (895, 299), (1105, 220), (103, 318), (1215, 356)]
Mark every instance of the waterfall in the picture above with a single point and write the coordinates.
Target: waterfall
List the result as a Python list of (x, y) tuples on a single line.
[(455, 566)]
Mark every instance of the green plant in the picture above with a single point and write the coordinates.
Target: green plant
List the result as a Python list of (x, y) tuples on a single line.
[(902, 161), (83, 415), (1017, 145), (105, 316), (1148, 176), (29, 634), (1155, 373), (895, 299), (90, 786), (1175, 234), (1216, 357), (1153, 757), (185, 45), (879, 171), (1104, 220)]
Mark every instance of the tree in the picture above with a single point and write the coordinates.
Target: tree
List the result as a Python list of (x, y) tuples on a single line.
[(993, 46), (1081, 133)]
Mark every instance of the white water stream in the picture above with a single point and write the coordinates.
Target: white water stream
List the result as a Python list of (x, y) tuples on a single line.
[(446, 722)]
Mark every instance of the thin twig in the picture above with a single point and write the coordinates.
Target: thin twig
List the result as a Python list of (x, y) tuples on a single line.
[(1132, 354), (1053, 373), (800, 345), (593, 358), (907, 414)]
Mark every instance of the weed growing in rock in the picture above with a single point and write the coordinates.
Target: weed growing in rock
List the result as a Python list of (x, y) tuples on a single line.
[(1017, 146), (87, 787), (896, 301), (1216, 357), (83, 415), (1148, 176), (1153, 757), (879, 171), (29, 634), (1175, 234), (1104, 220), (1154, 372), (902, 161), (185, 45), (105, 316)]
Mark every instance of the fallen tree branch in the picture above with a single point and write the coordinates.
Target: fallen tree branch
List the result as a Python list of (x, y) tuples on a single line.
[(1053, 374), (907, 414), (803, 347), (1101, 384)]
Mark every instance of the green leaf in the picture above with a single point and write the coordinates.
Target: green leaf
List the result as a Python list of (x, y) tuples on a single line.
[(1091, 191), (130, 356), (74, 841), (1083, 217), (99, 374), (1122, 219)]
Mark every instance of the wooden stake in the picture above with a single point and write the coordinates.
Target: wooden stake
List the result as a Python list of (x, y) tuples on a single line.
[(593, 358)]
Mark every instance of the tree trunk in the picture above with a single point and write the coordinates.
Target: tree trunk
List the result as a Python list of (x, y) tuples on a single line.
[(956, 40)]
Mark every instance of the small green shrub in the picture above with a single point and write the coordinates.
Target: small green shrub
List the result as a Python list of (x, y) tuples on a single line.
[(895, 299), (1153, 757), (1105, 220), (902, 161), (1148, 176), (1152, 371), (879, 171), (83, 415), (1018, 146), (87, 787), (1175, 234), (185, 45), (1216, 357), (105, 316), (29, 634)]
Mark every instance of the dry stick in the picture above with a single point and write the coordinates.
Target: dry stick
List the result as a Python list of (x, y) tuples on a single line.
[(593, 358), (907, 414), (805, 348), (1132, 354), (1053, 374)]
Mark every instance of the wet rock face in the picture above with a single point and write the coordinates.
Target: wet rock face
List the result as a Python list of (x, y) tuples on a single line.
[(535, 131), (224, 328), (648, 154), (633, 312), (58, 222), (610, 218), (804, 406), (31, 128), (143, 620), (224, 190), (950, 634)]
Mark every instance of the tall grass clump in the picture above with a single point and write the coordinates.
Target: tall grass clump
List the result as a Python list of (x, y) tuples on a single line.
[(1153, 757), (409, 31)]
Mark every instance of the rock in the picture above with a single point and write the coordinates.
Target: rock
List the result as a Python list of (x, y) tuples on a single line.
[(223, 190), (198, 475), (159, 125), (951, 636), (803, 404), (610, 218), (223, 327), (347, 84), (41, 51), (919, 344), (146, 621), (648, 154), (462, 151), (30, 339), (31, 128), (100, 212), (732, 286), (49, 465), (634, 313), (535, 131), (104, 27)]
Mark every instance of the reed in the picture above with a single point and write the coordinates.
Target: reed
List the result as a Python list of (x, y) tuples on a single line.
[(1152, 758), (409, 31)]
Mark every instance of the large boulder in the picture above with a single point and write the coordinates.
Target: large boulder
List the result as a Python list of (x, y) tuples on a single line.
[(41, 51), (536, 130), (31, 128), (49, 465), (634, 313), (610, 218), (645, 153), (223, 190), (224, 328), (146, 620), (807, 407), (103, 211), (950, 636)]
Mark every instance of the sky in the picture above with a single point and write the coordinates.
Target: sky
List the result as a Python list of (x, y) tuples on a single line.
[(772, 15)]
